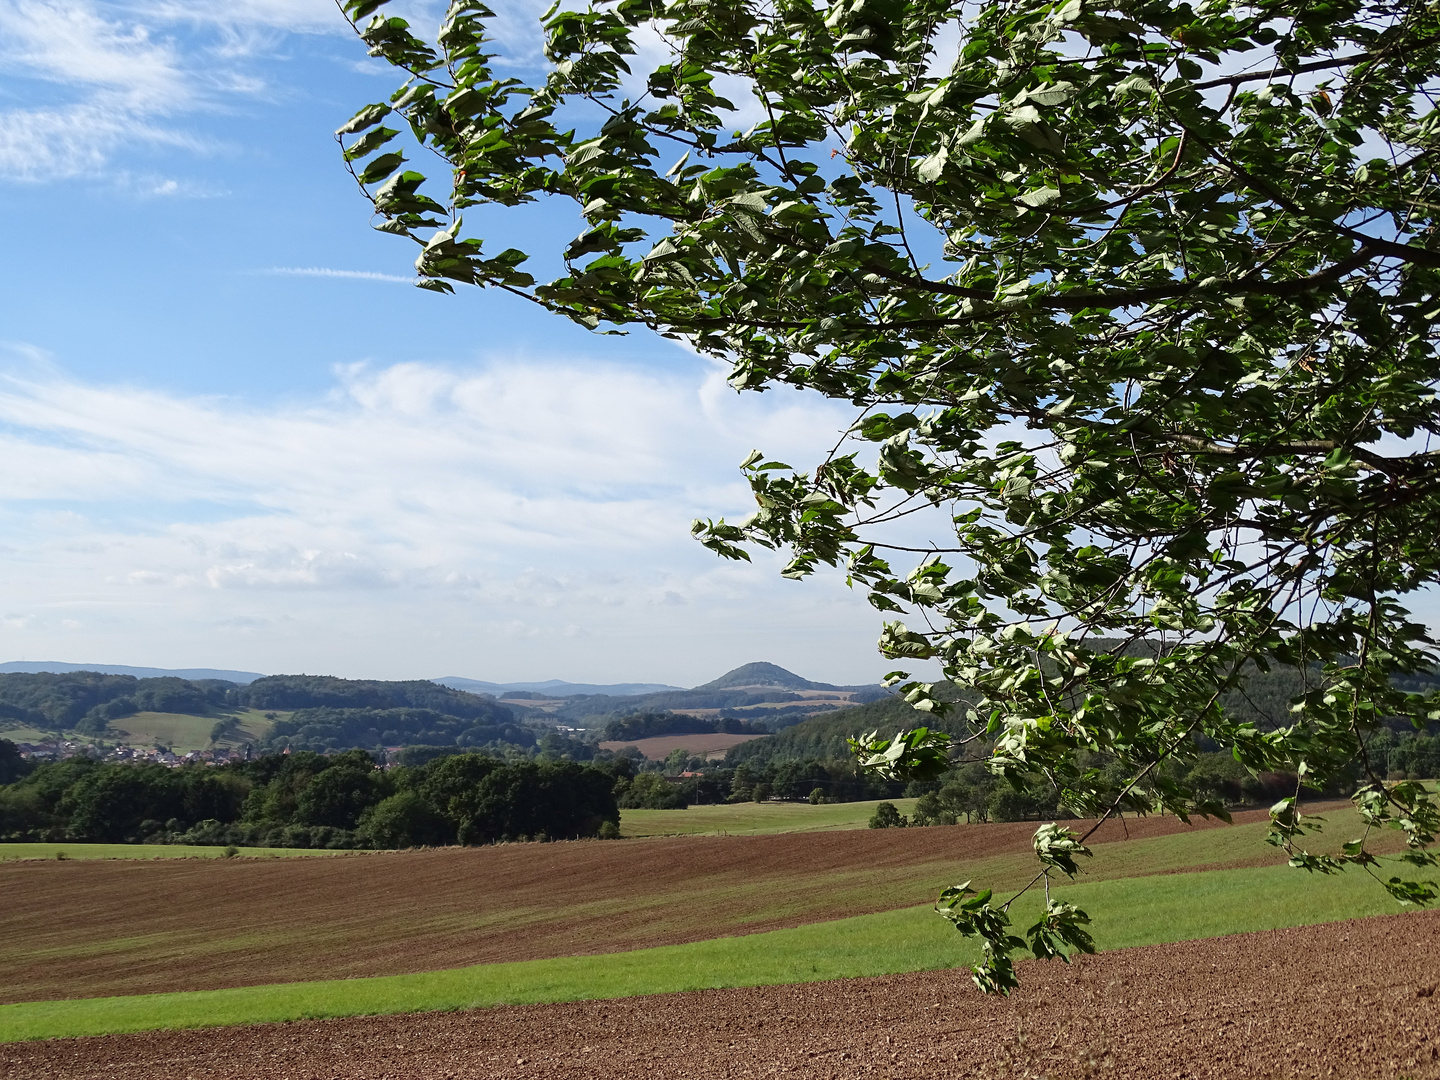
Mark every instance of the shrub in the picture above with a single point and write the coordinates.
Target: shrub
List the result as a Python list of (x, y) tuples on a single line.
[(888, 816), (651, 791)]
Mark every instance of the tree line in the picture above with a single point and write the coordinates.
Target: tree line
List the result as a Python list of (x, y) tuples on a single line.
[(972, 793), (329, 728), (310, 800), (648, 723), (288, 692)]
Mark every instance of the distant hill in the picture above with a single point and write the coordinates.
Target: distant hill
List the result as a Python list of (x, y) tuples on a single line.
[(764, 694), (763, 674), (328, 692), (756, 676), (31, 667), (555, 688)]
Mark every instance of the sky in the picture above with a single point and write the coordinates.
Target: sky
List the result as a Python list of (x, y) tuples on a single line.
[(234, 436)]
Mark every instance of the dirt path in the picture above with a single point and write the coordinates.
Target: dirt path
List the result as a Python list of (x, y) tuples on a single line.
[(87, 929), (1345, 1000)]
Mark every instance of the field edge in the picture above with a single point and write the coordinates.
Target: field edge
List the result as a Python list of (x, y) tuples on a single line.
[(1130, 913)]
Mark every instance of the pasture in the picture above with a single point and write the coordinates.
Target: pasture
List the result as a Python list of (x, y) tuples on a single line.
[(17, 731), (182, 732), (753, 819)]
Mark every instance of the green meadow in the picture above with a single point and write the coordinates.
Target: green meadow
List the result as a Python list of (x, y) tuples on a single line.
[(11, 852), (1127, 912), (751, 819), (180, 732)]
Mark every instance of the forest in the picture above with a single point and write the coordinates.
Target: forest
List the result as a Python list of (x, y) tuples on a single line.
[(305, 800)]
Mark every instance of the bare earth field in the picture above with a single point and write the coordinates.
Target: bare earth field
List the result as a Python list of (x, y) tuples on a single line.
[(1343, 1000), (661, 746), (91, 929)]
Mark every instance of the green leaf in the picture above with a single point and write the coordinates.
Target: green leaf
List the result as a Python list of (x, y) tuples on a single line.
[(369, 116), (933, 166), (358, 9), (381, 168), (917, 754), (1040, 197), (370, 143), (1057, 847)]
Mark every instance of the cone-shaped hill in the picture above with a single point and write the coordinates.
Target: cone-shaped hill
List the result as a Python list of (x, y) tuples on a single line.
[(763, 674)]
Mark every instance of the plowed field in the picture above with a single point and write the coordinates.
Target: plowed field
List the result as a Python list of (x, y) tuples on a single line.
[(76, 929), (1343, 1000), (659, 747)]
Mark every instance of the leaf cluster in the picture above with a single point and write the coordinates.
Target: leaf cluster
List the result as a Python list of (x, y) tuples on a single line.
[(1136, 304)]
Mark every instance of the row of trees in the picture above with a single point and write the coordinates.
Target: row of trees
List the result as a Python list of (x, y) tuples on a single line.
[(647, 724), (972, 793), (1406, 755), (309, 800), (836, 780)]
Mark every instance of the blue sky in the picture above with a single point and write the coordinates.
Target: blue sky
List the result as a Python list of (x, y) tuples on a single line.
[(235, 438)]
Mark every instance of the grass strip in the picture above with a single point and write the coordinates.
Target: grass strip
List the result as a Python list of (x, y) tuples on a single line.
[(62, 851), (754, 819), (1128, 912)]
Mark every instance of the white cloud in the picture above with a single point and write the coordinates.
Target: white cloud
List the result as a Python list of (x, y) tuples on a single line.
[(58, 143), (518, 519), (326, 272), (126, 81), (95, 77), (72, 43), (244, 16)]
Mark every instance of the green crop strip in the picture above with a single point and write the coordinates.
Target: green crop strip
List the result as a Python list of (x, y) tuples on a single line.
[(1137, 911)]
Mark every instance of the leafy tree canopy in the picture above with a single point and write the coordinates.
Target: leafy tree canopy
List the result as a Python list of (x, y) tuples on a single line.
[(327, 691), (318, 729), (1135, 301)]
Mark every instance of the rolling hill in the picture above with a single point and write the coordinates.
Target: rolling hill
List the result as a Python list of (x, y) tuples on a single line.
[(553, 688), (761, 693), (32, 667)]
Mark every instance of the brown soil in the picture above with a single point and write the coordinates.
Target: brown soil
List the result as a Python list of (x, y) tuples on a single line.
[(1345, 1000), (661, 746), (98, 928)]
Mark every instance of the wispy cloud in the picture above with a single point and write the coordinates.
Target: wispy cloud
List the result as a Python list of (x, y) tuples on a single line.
[(96, 77), (411, 516), (326, 272), (110, 81), (243, 16)]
